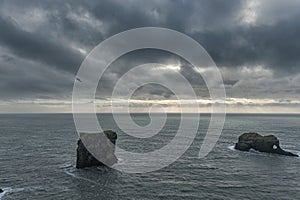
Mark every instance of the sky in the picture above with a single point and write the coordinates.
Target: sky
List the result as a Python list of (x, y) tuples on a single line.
[(255, 44)]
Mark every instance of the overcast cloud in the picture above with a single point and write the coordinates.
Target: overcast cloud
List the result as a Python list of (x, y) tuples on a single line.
[(255, 44)]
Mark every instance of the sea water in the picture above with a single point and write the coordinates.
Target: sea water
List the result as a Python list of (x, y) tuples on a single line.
[(38, 154)]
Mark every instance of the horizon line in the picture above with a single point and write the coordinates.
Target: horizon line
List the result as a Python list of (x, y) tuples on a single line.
[(262, 113)]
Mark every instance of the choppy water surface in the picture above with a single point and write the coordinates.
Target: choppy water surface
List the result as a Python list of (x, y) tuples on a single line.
[(37, 157)]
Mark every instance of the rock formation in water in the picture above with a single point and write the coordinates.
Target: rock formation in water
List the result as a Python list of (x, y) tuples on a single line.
[(269, 144), (1, 190), (102, 146)]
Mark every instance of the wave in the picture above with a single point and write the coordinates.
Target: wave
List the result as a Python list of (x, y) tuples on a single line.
[(5, 190), (231, 147), (8, 190), (71, 171)]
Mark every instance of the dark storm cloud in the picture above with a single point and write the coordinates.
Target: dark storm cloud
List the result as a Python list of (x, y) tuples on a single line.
[(230, 44), (54, 35), (37, 47), (116, 15), (274, 46), (31, 80), (230, 82)]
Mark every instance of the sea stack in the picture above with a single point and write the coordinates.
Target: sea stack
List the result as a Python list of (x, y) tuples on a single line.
[(102, 146), (269, 144)]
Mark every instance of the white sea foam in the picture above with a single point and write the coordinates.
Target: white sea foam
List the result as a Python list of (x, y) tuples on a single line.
[(120, 161), (71, 171), (66, 165), (5, 190), (231, 147), (8, 190), (74, 175)]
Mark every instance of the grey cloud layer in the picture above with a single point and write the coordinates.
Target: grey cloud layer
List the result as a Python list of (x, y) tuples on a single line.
[(44, 42)]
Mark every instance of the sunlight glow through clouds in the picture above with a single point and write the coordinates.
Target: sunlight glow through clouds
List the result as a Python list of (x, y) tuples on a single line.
[(171, 67), (249, 14), (234, 105)]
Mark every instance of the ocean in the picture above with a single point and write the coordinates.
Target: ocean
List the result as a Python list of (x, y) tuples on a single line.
[(38, 155)]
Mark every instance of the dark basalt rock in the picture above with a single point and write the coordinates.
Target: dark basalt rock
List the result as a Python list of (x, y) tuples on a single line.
[(101, 144), (1, 190), (269, 144)]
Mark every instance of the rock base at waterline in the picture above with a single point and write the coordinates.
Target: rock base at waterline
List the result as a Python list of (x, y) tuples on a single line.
[(268, 144), (101, 144)]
